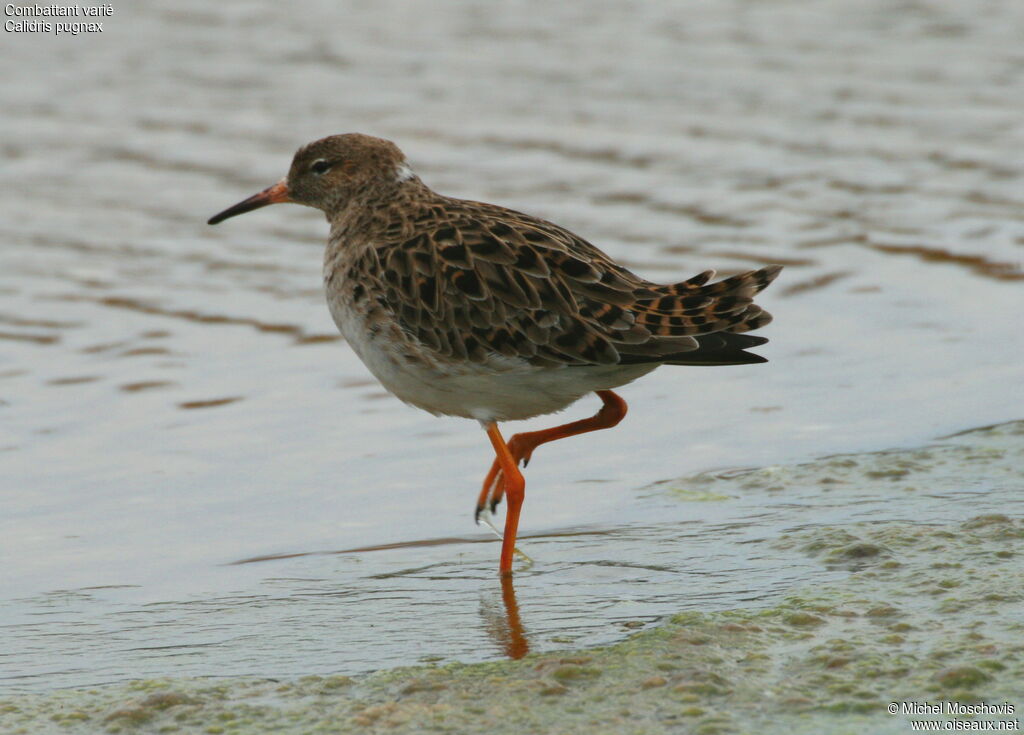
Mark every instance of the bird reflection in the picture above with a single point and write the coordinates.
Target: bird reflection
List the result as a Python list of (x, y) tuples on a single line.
[(503, 623)]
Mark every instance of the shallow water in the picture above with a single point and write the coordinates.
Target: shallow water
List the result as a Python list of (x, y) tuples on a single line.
[(925, 609), (174, 398)]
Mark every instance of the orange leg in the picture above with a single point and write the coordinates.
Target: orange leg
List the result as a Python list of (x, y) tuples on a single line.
[(521, 446), (515, 490)]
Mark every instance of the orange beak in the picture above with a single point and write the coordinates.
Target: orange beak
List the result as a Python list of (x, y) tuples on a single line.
[(271, 195)]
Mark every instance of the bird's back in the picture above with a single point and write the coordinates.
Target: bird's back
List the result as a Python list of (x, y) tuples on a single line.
[(465, 279)]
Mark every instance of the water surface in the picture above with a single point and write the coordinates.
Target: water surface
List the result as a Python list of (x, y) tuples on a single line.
[(174, 398)]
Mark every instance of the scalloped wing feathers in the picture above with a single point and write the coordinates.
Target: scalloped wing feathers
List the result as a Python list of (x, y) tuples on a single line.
[(468, 280)]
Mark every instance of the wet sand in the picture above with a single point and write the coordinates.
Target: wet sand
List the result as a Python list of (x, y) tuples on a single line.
[(921, 610)]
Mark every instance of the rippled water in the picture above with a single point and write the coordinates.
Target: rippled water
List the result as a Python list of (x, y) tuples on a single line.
[(174, 398)]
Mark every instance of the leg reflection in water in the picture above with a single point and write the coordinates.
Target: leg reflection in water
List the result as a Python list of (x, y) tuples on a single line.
[(503, 623)]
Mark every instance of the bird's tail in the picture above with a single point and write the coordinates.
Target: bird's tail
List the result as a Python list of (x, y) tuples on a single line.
[(714, 315)]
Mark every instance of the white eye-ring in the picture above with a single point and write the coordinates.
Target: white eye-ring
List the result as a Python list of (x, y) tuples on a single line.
[(320, 166)]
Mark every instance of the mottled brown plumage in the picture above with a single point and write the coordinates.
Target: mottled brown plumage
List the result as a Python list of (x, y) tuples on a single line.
[(471, 309)]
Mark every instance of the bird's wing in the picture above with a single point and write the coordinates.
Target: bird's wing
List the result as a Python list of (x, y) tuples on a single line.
[(477, 280)]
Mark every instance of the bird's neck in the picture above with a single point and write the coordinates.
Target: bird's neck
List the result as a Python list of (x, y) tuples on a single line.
[(381, 210)]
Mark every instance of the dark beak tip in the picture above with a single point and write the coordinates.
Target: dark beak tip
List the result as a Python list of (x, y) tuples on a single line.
[(221, 216), (271, 195)]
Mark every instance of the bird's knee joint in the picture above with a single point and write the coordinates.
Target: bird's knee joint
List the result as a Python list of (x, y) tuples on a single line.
[(612, 415), (515, 487)]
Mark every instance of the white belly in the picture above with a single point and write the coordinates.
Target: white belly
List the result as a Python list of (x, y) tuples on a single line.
[(501, 389)]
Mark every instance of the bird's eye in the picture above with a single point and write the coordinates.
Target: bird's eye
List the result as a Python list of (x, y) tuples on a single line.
[(320, 166)]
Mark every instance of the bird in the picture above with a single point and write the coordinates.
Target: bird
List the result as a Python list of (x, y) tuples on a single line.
[(463, 308)]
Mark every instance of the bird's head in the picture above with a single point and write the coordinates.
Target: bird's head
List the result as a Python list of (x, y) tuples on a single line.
[(332, 172)]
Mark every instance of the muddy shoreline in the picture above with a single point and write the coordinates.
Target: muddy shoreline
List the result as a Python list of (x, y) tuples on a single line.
[(922, 612)]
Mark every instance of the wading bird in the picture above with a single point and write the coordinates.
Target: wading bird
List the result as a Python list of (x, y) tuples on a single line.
[(469, 309)]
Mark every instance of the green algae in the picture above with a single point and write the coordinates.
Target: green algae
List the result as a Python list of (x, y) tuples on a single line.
[(922, 613)]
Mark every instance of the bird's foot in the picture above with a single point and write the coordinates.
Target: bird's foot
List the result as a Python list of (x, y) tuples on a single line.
[(486, 515), (521, 448)]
